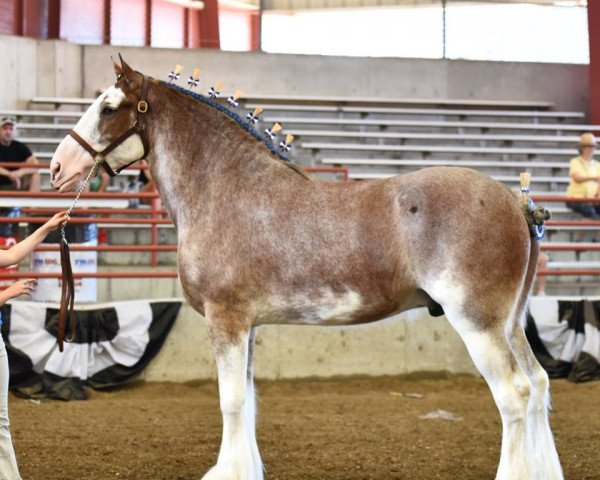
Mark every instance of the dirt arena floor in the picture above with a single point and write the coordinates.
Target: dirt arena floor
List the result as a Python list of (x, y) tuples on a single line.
[(322, 430)]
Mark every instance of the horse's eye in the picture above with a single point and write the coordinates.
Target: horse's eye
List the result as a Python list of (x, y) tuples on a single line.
[(108, 110)]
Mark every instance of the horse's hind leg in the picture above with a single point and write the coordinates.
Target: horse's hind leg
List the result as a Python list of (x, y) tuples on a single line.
[(250, 409), (489, 348), (545, 462), (229, 333)]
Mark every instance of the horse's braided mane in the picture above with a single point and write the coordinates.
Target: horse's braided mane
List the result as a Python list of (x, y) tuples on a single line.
[(245, 125)]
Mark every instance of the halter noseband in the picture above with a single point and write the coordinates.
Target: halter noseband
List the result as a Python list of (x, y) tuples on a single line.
[(137, 128)]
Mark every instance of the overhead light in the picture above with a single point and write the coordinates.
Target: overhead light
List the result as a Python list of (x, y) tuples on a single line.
[(195, 4)]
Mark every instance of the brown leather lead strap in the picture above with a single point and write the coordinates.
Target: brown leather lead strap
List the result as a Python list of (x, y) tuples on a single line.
[(67, 299), (71, 292), (65, 262)]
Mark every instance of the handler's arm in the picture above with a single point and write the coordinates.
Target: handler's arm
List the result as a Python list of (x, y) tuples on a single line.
[(19, 251)]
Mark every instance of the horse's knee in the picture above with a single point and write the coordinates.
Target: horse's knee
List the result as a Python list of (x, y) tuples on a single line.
[(524, 387), (541, 381), (513, 401), (541, 389)]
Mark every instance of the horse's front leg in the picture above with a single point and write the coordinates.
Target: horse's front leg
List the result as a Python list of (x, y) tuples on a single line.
[(229, 333)]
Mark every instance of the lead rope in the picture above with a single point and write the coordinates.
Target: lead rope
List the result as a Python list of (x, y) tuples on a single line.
[(67, 298)]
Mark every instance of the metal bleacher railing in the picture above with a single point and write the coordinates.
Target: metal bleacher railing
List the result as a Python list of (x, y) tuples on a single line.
[(107, 217), (383, 132), (152, 217)]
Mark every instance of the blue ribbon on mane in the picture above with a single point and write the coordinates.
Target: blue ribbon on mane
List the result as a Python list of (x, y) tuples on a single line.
[(537, 231), (231, 115)]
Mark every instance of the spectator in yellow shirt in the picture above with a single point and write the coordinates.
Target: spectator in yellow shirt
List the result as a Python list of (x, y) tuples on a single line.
[(584, 172)]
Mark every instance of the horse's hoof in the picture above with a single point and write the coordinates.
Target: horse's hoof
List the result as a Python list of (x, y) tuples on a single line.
[(220, 473), (226, 472)]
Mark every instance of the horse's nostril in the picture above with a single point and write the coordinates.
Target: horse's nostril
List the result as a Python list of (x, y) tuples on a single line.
[(55, 170)]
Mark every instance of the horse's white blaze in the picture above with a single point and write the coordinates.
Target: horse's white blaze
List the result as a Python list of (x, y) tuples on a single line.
[(80, 161), (87, 126)]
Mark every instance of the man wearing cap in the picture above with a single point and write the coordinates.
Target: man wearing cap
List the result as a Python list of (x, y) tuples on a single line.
[(584, 172), (14, 151)]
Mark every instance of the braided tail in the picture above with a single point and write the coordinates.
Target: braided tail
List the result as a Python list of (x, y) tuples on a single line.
[(535, 216)]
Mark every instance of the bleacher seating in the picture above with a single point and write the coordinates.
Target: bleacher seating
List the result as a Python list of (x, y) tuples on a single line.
[(376, 138)]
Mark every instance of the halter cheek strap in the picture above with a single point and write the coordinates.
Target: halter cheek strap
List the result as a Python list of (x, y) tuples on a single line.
[(136, 129)]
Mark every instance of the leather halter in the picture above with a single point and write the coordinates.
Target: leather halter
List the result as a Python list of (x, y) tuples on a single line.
[(136, 129), (67, 300)]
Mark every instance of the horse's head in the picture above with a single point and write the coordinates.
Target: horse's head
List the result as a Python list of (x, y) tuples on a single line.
[(111, 126)]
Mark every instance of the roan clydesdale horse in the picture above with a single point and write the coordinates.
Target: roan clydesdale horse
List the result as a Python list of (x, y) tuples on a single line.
[(261, 242)]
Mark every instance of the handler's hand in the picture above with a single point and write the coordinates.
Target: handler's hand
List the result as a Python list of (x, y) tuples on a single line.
[(22, 287), (56, 221)]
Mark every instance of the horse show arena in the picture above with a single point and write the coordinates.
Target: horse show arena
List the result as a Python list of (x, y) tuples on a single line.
[(396, 399), (349, 429)]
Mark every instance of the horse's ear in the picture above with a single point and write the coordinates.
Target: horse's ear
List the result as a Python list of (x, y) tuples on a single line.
[(118, 69), (126, 70)]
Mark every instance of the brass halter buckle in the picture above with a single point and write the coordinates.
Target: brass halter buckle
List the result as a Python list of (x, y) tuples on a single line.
[(142, 106)]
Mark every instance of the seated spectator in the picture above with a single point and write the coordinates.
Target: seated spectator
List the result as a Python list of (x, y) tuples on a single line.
[(147, 184), (584, 172), (14, 151), (99, 183)]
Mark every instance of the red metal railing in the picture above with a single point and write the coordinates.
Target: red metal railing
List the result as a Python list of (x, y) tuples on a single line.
[(155, 216), (572, 271)]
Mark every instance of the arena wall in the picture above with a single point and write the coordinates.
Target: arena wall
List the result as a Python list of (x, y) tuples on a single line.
[(59, 68), (412, 342), (403, 344)]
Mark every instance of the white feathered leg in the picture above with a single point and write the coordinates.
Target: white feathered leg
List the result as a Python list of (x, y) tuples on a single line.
[(250, 410), (236, 458), (545, 463), (510, 386)]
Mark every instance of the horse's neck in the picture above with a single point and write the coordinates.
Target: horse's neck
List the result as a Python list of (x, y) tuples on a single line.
[(202, 163)]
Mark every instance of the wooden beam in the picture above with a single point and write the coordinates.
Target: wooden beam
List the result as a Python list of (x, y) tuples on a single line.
[(209, 25), (106, 25), (53, 19), (186, 28), (18, 17), (32, 21), (194, 37), (255, 30), (593, 9), (148, 25)]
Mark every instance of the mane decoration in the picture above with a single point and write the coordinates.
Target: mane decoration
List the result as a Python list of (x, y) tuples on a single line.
[(248, 126)]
